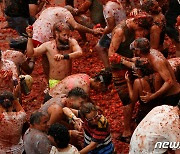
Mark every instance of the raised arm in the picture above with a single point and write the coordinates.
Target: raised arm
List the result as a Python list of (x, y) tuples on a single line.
[(36, 8), (115, 41), (84, 29), (84, 7), (31, 51), (77, 50)]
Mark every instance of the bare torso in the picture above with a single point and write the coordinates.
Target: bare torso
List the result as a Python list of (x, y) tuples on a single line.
[(58, 70), (156, 60)]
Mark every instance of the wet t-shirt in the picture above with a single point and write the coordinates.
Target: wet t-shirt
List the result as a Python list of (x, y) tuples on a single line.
[(43, 26), (44, 107), (18, 8), (9, 68), (160, 125), (115, 10), (15, 56), (10, 132), (36, 142), (69, 150)]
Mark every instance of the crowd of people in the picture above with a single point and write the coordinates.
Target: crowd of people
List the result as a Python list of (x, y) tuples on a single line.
[(135, 58)]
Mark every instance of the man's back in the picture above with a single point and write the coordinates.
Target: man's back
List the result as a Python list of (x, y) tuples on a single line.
[(160, 125), (36, 142), (42, 28)]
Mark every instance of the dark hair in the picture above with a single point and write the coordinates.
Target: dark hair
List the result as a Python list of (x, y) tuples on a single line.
[(60, 134), (6, 95), (144, 20), (104, 76), (19, 43), (148, 7), (78, 92), (87, 108), (143, 65), (143, 44), (36, 117)]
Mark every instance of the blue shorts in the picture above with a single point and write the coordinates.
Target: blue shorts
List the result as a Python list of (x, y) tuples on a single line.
[(105, 41)]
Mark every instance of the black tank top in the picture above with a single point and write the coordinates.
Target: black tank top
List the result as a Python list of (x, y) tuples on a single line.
[(124, 48)]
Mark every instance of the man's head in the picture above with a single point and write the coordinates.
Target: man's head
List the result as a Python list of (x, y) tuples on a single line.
[(142, 64), (6, 99), (140, 46), (90, 112), (151, 7), (101, 80), (38, 120), (76, 97), (59, 135), (143, 20), (61, 33)]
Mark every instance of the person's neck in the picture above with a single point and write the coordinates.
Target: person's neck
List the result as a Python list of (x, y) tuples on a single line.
[(62, 45)]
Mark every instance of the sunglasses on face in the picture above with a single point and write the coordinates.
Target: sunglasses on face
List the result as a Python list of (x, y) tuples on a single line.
[(91, 119)]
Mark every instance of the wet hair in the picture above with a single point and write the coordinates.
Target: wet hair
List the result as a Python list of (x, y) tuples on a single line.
[(78, 92), (144, 67), (86, 108), (59, 26), (6, 95), (60, 134), (104, 77), (148, 6), (143, 45), (36, 117), (144, 20)]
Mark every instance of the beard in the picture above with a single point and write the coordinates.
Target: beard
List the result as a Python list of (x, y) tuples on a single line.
[(62, 45)]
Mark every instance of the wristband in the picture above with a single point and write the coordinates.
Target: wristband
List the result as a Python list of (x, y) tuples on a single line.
[(66, 56)]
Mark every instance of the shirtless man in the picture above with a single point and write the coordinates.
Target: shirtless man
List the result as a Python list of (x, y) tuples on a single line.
[(170, 90), (84, 81), (60, 51)]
